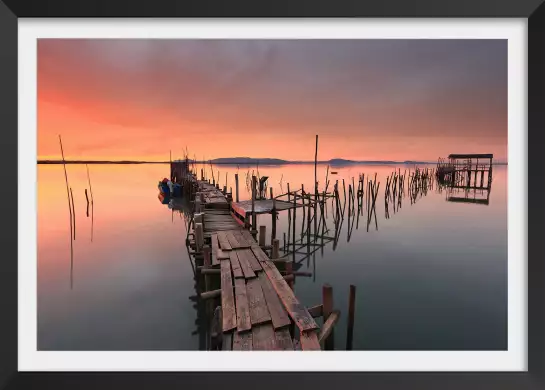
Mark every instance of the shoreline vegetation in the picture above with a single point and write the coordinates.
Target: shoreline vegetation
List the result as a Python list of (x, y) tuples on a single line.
[(250, 161)]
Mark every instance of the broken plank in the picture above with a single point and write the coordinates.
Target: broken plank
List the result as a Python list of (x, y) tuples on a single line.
[(263, 338), (224, 243), (243, 312), (229, 315), (278, 314), (316, 311), (295, 309), (283, 340), (235, 265), (259, 313), (309, 341), (328, 325), (242, 341), (250, 258), (245, 265)]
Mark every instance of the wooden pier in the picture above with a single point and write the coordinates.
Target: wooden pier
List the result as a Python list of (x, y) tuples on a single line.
[(252, 305), (464, 170), (463, 174)]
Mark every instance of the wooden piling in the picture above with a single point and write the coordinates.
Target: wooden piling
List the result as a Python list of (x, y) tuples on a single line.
[(207, 264), (273, 222), (73, 211), (275, 249), (69, 204), (236, 187), (327, 302), (351, 312), (294, 217), (289, 271), (199, 236), (316, 167), (262, 233), (254, 183)]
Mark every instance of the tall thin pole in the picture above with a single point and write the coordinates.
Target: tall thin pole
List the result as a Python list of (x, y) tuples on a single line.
[(92, 203), (315, 167), (70, 210)]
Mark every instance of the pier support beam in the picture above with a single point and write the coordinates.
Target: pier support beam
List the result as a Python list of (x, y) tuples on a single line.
[(262, 234), (273, 222), (275, 248), (199, 218), (236, 187), (254, 222), (351, 312), (289, 272), (327, 302), (199, 236)]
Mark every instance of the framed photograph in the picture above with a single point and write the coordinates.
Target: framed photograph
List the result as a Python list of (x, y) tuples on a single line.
[(216, 195)]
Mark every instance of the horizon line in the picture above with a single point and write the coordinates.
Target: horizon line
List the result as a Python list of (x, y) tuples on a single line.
[(254, 160)]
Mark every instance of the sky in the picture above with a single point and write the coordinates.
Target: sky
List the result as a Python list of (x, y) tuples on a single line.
[(366, 99)]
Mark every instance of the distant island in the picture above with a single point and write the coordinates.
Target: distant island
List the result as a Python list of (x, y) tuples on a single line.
[(99, 162), (255, 161)]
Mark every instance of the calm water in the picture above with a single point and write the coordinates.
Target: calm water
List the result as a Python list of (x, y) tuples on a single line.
[(433, 276)]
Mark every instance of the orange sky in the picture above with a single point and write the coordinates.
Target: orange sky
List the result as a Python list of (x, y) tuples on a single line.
[(367, 100)]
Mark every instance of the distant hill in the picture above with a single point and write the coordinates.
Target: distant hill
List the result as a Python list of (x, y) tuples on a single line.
[(341, 161), (276, 161), (249, 160), (99, 162)]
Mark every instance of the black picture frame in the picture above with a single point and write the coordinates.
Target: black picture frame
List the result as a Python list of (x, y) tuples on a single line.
[(532, 10)]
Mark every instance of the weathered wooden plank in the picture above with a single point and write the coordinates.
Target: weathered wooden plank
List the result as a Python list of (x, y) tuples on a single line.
[(263, 206), (309, 341), (221, 255), (242, 341), (283, 340), (242, 242), (295, 309), (250, 258), (235, 265), (243, 311), (245, 265), (227, 341), (215, 247), (224, 243), (329, 325), (278, 314), (229, 314), (249, 239), (232, 240), (263, 338), (316, 311), (259, 254), (259, 313)]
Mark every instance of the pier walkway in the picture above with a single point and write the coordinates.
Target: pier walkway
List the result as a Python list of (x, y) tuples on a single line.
[(259, 310)]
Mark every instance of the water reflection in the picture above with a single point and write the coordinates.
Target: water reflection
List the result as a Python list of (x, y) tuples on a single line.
[(137, 275)]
